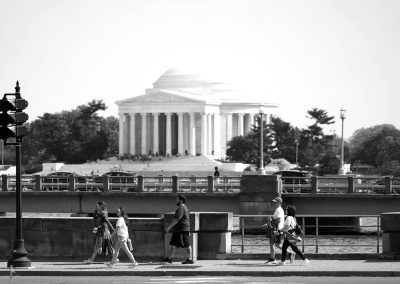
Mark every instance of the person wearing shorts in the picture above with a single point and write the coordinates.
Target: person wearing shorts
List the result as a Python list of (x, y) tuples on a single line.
[(180, 228)]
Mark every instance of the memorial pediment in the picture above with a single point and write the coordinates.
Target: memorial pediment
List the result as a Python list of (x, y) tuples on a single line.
[(162, 98)]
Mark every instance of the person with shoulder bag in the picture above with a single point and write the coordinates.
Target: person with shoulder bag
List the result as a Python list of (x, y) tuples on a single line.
[(102, 237), (274, 230), (291, 238)]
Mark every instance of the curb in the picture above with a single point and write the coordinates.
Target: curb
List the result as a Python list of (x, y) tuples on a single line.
[(205, 273)]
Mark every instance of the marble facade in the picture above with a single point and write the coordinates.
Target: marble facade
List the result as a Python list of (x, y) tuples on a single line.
[(183, 113)]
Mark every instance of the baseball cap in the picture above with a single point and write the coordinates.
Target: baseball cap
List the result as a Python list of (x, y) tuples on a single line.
[(277, 199)]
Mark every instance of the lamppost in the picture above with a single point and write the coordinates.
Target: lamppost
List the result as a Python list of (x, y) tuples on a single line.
[(342, 117), (262, 170), (297, 137)]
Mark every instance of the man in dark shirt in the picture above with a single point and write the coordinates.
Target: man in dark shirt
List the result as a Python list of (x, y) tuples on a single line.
[(180, 228)]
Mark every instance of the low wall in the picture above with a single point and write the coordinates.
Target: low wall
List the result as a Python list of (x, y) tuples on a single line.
[(72, 237)]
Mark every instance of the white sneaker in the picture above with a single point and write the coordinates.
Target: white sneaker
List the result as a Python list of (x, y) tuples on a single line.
[(88, 261), (306, 261), (271, 262), (134, 264), (282, 263)]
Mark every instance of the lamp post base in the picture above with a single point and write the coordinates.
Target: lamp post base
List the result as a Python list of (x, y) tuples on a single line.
[(262, 171), (19, 255)]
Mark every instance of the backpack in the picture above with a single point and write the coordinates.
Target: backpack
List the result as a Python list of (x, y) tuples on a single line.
[(297, 229)]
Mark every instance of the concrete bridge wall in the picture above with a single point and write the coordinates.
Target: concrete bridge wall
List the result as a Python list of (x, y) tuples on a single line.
[(72, 237)]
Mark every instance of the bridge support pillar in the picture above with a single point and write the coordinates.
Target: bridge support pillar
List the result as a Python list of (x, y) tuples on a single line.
[(214, 234), (391, 234), (256, 197)]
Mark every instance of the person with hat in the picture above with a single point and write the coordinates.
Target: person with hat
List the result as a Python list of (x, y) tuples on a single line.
[(276, 222)]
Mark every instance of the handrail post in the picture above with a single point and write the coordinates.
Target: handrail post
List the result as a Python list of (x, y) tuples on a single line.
[(71, 180), (316, 234), (140, 180), (314, 184), (106, 183), (388, 185), (378, 233), (4, 182), (242, 229), (350, 184), (38, 183), (303, 225), (210, 183), (175, 183)]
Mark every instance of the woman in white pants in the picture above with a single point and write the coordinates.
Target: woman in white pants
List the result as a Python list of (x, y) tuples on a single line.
[(123, 235)]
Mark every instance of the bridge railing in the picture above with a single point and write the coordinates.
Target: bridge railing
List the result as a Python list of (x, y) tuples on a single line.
[(158, 183), (312, 236), (341, 185)]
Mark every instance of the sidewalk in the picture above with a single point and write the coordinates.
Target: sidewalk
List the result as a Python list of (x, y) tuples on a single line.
[(317, 267)]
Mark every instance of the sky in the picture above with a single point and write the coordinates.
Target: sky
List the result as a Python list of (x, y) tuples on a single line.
[(298, 54)]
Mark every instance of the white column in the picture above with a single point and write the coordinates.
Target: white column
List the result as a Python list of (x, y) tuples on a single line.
[(252, 120), (204, 147), (168, 134), (180, 133), (228, 127), (217, 134), (155, 133), (240, 124), (209, 134), (247, 126), (192, 130), (132, 137), (144, 133), (121, 135)]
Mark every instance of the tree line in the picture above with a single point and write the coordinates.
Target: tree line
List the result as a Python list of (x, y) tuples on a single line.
[(81, 135)]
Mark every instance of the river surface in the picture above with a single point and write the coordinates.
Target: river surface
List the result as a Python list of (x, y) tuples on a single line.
[(361, 243)]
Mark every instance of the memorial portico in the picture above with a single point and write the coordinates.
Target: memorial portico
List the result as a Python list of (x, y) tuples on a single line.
[(183, 113)]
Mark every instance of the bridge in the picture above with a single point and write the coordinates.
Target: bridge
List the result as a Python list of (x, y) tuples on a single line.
[(249, 194)]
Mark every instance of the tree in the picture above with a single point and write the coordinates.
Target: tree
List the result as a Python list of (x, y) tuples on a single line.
[(377, 146), (321, 117), (247, 148), (74, 136)]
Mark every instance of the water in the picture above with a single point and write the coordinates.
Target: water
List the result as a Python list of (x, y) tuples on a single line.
[(326, 244), (362, 243)]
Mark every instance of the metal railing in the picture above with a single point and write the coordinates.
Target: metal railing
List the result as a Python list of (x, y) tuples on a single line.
[(311, 227), (201, 184), (341, 185), (132, 183)]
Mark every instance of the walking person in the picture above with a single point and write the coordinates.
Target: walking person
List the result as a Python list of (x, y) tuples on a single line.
[(274, 230), (290, 237), (180, 228), (122, 238), (102, 241)]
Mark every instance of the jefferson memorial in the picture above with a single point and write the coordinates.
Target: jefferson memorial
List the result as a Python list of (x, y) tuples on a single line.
[(186, 114)]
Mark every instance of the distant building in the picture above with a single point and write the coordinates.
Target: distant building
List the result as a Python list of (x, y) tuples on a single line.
[(185, 114), (8, 170)]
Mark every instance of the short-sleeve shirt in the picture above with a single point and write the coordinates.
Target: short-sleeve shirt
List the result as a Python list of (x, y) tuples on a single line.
[(122, 229), (279, 215), (182, 214), (290, 223)]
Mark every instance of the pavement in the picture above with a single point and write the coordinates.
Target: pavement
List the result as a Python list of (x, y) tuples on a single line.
[(376, 266)]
